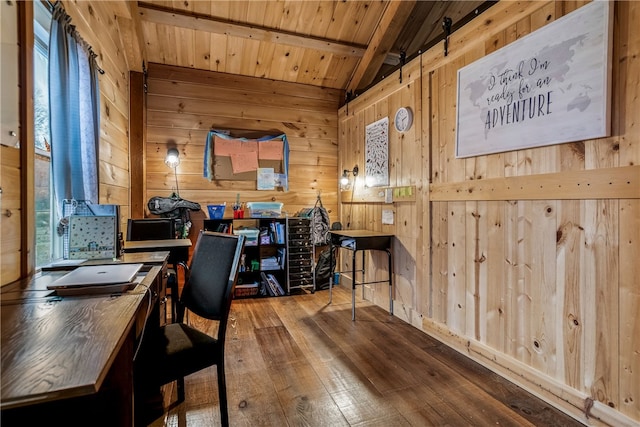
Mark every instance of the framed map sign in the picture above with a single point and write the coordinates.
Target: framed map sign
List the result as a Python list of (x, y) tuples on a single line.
[(549, 87)]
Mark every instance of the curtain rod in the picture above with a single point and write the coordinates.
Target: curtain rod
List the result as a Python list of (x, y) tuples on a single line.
[(52, 5)]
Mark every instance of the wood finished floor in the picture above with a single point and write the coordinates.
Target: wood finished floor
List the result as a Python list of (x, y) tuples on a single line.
[(297, 361)]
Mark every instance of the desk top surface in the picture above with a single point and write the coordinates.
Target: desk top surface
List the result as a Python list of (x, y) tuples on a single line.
[(359, 233), (148, 258), (157, 244), (58, 347)]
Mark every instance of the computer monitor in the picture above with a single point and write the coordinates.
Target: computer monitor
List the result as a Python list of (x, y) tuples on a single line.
[(150, 229)]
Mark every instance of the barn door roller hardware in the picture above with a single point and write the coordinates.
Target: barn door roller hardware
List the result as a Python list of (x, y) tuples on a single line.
[(348, 97), (403, 60), (446, 26)]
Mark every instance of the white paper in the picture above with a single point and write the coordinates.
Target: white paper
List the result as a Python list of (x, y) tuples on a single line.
[(388, 195), (266, 179), (387, 216)]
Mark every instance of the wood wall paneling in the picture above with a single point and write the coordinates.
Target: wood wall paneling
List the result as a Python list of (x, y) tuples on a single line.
[(10, 222), (184, 104), (527, 252)]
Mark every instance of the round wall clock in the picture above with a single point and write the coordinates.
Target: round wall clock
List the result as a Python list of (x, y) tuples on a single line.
[(404, 119)]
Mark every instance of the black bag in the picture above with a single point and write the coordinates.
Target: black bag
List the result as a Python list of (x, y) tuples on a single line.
[(167, 205), (325, 268), (320, 232), (176, 208)]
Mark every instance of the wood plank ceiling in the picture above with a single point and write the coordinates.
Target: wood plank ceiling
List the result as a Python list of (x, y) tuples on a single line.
[(336, 44)]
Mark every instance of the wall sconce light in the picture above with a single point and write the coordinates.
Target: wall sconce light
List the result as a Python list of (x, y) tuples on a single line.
[(344, 179), (173, 160)]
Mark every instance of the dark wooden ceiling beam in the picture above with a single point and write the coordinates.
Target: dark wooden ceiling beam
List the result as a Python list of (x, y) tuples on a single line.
[(200, 22), (390, 26)]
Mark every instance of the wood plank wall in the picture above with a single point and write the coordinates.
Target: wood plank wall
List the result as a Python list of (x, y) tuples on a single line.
[(183, 104), (11, 214), (10, 183), (540, 284)]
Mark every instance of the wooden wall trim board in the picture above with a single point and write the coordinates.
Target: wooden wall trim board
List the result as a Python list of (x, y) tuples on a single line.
[(27, 151), (578, 405), (521, 260), (606, 183), (406, 193), (137, 139)]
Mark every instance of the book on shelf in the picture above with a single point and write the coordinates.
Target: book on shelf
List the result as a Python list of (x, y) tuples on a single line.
[(269, 263), (280, 234), (224, 227), (271, 283), (281, 257), (277, 232)]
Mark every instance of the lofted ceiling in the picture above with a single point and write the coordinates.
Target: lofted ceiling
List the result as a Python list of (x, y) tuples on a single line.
[(346, 44)]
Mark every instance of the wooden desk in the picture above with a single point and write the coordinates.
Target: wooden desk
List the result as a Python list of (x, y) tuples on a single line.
[(149, 259), (179, 252), (361, 240), (70, 359), (178, 248)]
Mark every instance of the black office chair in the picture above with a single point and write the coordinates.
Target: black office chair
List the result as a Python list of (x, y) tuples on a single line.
[(157, 229), (177, 349)]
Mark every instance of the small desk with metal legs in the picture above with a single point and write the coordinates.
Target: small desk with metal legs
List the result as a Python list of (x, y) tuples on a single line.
[(361, 240)]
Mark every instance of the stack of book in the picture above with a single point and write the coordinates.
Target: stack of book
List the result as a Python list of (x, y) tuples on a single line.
[(269, 263), (272, 285)]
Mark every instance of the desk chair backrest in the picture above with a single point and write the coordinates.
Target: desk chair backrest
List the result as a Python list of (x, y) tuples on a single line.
[(212, 276), (150, 229), (178, 349)]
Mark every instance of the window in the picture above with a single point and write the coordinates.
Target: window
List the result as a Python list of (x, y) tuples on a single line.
[(48, 247), (66, 121)]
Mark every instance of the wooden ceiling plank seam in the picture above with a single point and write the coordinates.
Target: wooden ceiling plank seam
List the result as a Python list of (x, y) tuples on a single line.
[(265, 59), (322, 18), (235, 47), (387, 30), (202, 50), (185, 45), (250, 57), (279, 62), (167, 38), (174, 17), (218, 52), (350, 21), (272, 15), (238, 12), (293, 17), (203, 7), (256, 12), (292, 65), (307, 20), (369, 19), (150, 40)]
